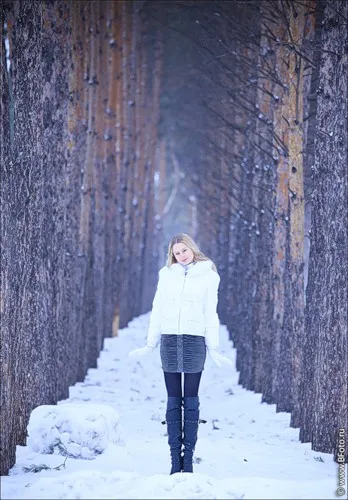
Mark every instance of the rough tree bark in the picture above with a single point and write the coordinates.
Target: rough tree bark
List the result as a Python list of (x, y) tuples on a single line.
[(8, 436), (263, 190), (299, 13), (33, 219), (326, 349), (281, 349)]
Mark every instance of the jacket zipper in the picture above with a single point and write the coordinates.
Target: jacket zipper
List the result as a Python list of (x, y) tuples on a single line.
[(182, 291)]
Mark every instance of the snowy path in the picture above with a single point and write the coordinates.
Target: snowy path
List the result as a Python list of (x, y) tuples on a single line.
[(245, 450)]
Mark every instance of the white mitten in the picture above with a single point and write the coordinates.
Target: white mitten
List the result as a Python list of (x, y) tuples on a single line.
[(142, 351), (218, 359)]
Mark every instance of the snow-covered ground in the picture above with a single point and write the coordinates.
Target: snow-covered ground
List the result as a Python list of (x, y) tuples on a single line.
[(110, 437)]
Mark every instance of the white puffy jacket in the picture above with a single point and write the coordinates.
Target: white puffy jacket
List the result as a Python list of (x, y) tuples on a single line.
[(186, 304)]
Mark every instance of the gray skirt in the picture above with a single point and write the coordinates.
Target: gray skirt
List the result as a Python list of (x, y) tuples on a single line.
[(182, 353)]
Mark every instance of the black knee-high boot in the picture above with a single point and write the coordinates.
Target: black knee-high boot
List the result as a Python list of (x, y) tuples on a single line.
[(174, 427), (191, 421)]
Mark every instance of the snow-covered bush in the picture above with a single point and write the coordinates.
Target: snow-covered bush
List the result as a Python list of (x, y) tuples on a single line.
[(75, 430)]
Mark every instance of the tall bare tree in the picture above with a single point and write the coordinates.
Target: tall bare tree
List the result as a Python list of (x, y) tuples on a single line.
[(324, 381)]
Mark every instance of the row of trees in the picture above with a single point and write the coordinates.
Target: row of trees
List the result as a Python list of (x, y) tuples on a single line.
[(78, 238), (262, 88)]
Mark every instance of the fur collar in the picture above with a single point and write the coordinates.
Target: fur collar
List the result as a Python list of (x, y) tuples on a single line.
[(193, 269)]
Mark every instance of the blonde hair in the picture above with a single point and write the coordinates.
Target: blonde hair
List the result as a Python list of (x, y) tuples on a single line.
[(188, 241)]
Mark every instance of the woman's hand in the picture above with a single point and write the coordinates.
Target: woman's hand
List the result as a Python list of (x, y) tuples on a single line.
[(218, 359), (141, 351)]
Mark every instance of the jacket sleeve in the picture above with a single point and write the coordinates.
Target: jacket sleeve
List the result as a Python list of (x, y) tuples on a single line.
[(154, 332), (212, 323)]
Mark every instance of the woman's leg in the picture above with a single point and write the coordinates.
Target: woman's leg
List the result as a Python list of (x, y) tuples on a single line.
[(191, 417), (191, 384), (173, 384), (174, 419)]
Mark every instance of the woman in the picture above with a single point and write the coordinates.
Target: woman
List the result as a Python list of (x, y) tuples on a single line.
[(185, 323)]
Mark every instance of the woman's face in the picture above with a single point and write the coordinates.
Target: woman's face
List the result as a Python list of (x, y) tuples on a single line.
[(182, 253)]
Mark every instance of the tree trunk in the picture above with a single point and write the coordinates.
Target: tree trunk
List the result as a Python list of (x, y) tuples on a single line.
[(295, 299), (263, 199), (281, 347), (326, 305)]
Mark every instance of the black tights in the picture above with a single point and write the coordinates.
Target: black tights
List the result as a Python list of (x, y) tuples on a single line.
[(191, 384)]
